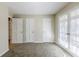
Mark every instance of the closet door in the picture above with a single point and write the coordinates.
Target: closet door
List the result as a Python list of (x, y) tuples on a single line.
[(33, 30), (17, 30), (27, 32), (30, 29), (47, 33), (63, 31), (38, 30)]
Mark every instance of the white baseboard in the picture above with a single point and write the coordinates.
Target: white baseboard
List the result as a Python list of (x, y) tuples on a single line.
[(39, 42), (4, 52), (34, 42)]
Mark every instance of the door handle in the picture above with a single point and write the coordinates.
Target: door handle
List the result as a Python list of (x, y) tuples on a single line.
[(68, 33), (32, 32)]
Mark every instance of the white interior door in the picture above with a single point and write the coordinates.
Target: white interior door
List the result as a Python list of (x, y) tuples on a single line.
[(17, 30)]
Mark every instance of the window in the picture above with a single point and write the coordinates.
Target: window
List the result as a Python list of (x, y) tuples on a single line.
[(69, 31), (74, 32), (63, 31)]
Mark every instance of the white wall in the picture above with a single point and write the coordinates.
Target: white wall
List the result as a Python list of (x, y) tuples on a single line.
[(3, 29), (67, 9), (10, 13)]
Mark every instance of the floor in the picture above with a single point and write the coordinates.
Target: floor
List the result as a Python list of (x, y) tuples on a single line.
[(36, 50)]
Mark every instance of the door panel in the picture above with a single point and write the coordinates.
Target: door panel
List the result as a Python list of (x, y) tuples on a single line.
[(30, 30), (14, 35), (27, 30), (17, 30), (47, 30), (33, 30)]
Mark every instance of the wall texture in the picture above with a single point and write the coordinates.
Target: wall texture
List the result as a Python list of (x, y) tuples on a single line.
[(3, 29)]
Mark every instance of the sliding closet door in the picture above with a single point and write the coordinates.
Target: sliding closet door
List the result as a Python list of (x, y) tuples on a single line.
[(47, 33), (17, 30), (63, 31), (38, 29), (27, 32), (30, 29), (33, 30)]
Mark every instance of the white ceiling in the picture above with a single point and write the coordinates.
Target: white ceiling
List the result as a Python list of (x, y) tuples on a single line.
[(35, 8)]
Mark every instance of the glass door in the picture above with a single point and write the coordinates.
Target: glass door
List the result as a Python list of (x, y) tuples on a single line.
[(63, 30), (74, 36), (69, 31)]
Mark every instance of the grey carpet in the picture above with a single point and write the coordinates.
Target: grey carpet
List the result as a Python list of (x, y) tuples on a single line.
[(36, 50)]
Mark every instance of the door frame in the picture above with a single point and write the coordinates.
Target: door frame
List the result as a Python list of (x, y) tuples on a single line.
[(10, 32)]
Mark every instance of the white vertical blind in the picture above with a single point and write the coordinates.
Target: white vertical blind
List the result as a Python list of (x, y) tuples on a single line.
[(63, 38), (74, 31), (69, 31)]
